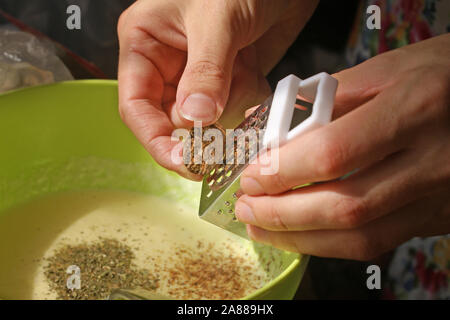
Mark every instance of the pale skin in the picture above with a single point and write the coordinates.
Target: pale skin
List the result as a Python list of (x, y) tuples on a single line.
[(391, 122)]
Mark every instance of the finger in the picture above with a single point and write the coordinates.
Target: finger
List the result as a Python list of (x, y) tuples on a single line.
[(362, 137), (140, 107), (204, 86), (344, 204), (365, 243), (361, 83)]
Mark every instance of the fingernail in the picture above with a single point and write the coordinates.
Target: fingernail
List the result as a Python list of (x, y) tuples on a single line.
[(244, 213), (251, 186), (199, 107)]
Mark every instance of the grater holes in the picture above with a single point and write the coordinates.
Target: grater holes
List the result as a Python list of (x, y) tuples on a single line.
[(221, 174), (229, 167)]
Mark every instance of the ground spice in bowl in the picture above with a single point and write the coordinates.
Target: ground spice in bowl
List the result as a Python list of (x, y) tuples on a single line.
[(105, 265), (210, 272), (201, 271)]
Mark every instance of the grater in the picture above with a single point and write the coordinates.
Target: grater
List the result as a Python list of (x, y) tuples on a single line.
[(279, 119)]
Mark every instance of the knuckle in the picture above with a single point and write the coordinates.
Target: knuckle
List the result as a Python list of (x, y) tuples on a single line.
[(274, 217), (364, 248), (278, 182), (350, 212), (206, 70), (121, 22), (434, 99), (135, 40), (294, 245), (329, 161), (123, 111), (439, 91), (155, 145), (128, 110)]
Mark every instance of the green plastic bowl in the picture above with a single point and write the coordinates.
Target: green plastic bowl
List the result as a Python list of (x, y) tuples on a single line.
[(69, 136)]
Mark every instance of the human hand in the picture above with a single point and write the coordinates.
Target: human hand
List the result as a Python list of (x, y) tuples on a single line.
[(185, 61), (392, 122)]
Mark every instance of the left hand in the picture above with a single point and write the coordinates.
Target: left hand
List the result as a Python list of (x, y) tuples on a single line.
[(198, 60), (392, 122)]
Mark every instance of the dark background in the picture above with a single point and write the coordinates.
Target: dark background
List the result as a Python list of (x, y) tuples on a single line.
[(320, 47)]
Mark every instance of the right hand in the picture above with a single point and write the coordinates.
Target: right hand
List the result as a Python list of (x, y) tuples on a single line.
[(185, 61)]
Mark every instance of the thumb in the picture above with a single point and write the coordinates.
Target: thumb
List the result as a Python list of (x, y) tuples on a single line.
[(204, 86)]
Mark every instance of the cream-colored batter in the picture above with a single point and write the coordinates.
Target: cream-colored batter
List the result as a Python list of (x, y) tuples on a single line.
[(151, 226)]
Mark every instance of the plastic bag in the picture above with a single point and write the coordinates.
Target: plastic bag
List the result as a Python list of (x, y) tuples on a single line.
[(26, 61)]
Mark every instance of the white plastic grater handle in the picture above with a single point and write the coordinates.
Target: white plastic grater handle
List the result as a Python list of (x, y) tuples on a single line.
[(320, 88)]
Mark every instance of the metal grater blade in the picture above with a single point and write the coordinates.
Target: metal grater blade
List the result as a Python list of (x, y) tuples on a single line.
[(220, 188)]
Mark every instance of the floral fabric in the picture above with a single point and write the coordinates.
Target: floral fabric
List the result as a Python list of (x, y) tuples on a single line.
[(420, 269), (402, 22)]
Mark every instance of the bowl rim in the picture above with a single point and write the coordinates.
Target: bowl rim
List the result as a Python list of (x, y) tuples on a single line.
[(300, 261)]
